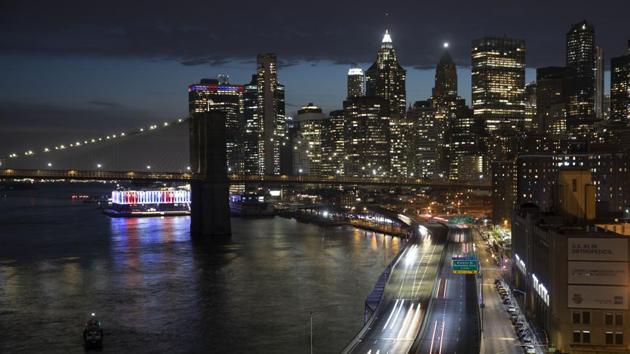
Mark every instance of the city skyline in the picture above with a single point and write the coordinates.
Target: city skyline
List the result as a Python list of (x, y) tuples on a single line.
[(42, 84), (282, 177)]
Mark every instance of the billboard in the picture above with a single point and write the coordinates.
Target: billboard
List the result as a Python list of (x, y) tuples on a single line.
[(598, 249), (602, 273), (598, 297)]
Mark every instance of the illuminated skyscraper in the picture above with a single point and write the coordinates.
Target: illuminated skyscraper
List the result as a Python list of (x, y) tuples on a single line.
[(366, 137), (386, 78), (530, 107), (620, 88), (580, 75), (356, 82), (220, 95), (307, 150), (401, 131), (498, 82), (599, 83), (423, 159), (253, 150), (467, 158), (271, 104), (445, 76), (446, 104), (333, 141), (550, 104)]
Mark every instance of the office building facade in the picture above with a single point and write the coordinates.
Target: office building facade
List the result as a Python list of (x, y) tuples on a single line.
[(355, 82), (367, 139), (580, 63), (386, 78), (219, 95), (620, 88), (272, 109), (498, 82)]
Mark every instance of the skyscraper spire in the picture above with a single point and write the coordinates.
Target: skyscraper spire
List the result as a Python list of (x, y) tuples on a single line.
[(386, 78), (445, 76), (386, 37)]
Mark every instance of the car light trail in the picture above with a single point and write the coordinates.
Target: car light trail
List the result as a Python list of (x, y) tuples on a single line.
[(391, 314), (397, 314)]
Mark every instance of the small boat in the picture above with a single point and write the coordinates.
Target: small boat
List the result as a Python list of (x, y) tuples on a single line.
[(93, 333)]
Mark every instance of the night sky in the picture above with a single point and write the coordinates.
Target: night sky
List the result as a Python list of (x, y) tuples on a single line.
[(72, 68)]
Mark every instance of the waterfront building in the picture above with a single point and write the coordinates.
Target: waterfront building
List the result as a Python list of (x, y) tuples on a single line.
[(580, 62), (220, 95), (620, 88), (498, 82), (356, 82), (367, 140)]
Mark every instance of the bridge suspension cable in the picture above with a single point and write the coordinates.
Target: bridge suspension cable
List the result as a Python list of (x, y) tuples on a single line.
[(93, 140)]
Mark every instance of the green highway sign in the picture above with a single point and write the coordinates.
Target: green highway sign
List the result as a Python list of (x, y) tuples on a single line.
[(464, 266)]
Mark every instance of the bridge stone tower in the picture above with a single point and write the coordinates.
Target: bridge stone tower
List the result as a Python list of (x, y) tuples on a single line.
[(210, 211)]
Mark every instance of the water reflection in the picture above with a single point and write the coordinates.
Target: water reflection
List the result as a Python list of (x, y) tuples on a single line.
[(157, 292)]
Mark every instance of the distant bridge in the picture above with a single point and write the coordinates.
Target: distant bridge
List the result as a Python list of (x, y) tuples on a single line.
[(43, 174)]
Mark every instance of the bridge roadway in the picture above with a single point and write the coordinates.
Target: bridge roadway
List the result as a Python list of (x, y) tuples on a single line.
[(397, 320), (10, 173), (451, 324)]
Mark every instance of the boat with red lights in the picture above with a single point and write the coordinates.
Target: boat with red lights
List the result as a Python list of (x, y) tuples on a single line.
[(130, 203)]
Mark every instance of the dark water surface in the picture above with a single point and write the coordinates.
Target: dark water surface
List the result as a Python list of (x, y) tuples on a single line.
[(155, 291)]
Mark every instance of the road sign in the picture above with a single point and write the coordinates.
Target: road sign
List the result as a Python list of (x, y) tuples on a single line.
[(464, 265)]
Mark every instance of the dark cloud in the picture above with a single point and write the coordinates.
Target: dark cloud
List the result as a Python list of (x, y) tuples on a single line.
[(212, 32)]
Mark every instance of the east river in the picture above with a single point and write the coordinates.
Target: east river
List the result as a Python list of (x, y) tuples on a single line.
[(157, 292)]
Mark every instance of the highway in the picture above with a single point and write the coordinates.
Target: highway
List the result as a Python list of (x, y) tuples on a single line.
[(451, 323), (394, 326)]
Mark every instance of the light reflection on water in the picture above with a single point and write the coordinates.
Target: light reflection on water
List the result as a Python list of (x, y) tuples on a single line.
[(156, 291)]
